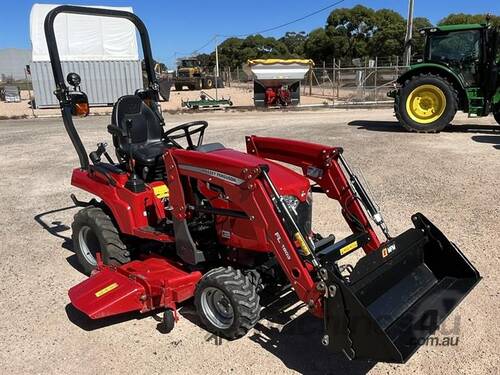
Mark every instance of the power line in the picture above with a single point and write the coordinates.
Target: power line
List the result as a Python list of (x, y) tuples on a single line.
[(269, 29), (206, 44), (287, 23)]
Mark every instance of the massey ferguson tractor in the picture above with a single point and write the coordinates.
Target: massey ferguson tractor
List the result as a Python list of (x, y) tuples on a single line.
[(176, 220), (459, 71)]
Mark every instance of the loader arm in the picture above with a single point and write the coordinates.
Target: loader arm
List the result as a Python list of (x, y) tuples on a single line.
[(320, 164)]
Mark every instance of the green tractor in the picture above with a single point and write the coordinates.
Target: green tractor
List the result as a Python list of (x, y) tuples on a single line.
[(459, 71)]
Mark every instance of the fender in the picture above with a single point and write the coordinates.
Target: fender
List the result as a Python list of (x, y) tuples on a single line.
[(456, 79), (119, 201)]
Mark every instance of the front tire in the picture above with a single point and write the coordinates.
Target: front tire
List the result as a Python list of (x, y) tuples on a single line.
[(426, 103), (94, 231), (227, 302)]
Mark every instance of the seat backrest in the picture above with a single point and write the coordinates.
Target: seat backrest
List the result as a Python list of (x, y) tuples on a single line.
[(146, 127)]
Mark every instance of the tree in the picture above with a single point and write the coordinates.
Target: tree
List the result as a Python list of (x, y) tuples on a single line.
[(388, 34), (294, 42), (234, 52), (207, 60), (462, 18), (350, 30), (318, 45)]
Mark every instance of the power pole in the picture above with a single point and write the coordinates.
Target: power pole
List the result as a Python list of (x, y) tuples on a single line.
[(216, 69), (409, 32)]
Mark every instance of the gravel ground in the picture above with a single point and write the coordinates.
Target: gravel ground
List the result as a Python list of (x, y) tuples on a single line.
[(451, 177)]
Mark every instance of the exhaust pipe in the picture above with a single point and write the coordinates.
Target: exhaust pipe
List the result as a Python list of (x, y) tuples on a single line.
[(396, 296)]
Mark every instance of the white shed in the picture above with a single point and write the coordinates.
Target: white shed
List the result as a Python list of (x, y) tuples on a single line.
[(102, 50)]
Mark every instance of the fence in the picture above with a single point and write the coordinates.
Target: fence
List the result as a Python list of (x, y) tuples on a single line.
[(363, 80)]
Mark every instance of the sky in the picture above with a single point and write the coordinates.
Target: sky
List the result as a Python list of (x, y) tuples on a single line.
[(177, 29)]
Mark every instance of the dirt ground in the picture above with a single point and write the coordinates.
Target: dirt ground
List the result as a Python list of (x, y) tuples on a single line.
[(451, 177), (241, 96)]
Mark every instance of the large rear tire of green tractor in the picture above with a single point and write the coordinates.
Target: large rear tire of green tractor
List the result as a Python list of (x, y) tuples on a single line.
[(227, 302), (94, 231), (496, 115), (426, 103)]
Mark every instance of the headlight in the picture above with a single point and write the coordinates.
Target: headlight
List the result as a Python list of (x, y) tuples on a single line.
[(291, 201)]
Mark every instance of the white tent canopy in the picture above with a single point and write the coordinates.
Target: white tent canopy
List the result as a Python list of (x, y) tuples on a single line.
[(84, 38)]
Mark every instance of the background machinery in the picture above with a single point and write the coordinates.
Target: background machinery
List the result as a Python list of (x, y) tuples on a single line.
[(176, 218), (190, 73), (459, 71), (277, 81)]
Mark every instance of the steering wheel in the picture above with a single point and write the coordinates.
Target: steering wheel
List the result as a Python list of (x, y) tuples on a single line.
[(186, 131)]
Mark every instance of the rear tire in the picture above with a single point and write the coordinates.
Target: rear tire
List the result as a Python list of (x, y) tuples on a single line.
[(208, 83), (426, 103), (496, 115), (227, 302), (94, 231)]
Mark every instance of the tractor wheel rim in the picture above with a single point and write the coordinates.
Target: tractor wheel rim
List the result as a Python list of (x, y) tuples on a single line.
[(89, 244), (426, 104), (217, 307)]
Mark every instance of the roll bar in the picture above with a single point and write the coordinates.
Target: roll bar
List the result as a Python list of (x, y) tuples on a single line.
[(61, 91)]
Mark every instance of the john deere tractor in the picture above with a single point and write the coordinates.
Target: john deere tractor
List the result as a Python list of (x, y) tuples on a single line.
[(459, 71)]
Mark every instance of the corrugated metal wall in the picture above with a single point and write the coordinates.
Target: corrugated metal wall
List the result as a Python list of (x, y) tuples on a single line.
[(102, 81)]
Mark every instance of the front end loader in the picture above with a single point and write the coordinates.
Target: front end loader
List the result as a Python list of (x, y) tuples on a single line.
[(177, 219), (459, 72)]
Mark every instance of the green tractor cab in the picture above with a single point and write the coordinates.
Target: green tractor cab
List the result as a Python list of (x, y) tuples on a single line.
[(459, 71)]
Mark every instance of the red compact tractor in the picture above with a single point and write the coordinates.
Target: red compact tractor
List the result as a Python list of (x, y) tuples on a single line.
[(225, 227)]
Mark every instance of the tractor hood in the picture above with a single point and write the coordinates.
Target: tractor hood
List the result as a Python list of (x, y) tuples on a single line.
[(287, 181)]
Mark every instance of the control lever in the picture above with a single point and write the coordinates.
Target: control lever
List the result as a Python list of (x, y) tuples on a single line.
[(134, 183), (95, 156)]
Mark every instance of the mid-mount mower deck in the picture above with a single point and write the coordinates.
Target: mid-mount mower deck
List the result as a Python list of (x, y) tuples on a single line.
[(227, 227)]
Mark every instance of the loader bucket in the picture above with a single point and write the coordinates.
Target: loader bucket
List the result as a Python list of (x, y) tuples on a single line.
[(397, 296)]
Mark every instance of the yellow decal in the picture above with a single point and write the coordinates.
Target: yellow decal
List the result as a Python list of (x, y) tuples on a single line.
[(302, 244), (105, 290), (161, 191), (350, 247), (384, 252)]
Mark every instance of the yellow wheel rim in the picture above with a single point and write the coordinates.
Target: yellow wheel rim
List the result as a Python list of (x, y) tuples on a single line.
[(426, 104)]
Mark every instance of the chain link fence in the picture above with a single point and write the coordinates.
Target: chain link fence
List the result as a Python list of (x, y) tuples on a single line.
[(366, 80)]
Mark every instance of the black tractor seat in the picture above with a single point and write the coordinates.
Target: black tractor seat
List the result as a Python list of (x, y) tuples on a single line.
[(147, 142), (146, 131)]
